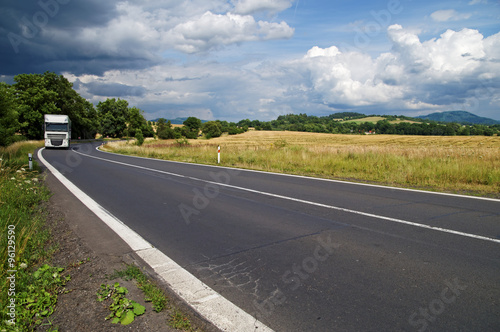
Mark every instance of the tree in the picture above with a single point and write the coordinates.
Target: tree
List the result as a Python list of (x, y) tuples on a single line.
[(212, 129), (193, 126), (84, 121), (245, 122), (136, 121), (36, 100), (48, 93), (139, 137), (164, 129), (113, 115), (267, 126), (9, 123), (88, 122)]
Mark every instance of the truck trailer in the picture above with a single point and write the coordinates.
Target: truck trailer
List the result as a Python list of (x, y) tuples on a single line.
[(57, 131)]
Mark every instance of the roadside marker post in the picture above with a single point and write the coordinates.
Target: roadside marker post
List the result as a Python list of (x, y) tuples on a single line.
[(30, 159), (218, 155)]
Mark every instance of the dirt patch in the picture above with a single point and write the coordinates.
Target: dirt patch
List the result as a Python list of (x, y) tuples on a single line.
[(77, 308)]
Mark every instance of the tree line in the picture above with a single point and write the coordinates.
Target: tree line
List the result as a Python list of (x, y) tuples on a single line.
[(24, 103), (336, 124), (192, 127)]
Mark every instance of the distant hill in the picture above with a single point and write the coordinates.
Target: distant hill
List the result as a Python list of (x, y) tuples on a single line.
[(462, 117), (177, 120)]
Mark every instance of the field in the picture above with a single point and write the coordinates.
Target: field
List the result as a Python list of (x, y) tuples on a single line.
[(458, 164), (375, 119)]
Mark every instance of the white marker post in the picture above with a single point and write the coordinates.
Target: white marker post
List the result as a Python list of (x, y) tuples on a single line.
[(30, 159), (218, 155)]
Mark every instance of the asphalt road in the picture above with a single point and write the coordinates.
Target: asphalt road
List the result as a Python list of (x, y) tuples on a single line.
[(303, 254)]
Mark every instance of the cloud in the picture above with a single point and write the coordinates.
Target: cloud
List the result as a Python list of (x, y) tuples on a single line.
[(448, 15), (475, 2), (347, 78), (438, 73), (456, 70), (98, 36), (111, 89), (211, 31), (245, 7), (171, 58)]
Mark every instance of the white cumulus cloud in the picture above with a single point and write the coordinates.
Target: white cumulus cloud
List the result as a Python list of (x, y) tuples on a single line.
[(213, 30), (448, 15), (415, 74)]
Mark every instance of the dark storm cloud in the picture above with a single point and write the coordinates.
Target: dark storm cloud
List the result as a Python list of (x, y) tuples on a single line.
[(35, 36), (112, 89)]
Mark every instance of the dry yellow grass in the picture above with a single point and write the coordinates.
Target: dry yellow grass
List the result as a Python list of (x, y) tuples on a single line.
[(454, 164), (375, 119)]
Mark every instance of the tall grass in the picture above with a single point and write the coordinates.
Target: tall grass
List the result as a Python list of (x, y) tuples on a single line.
[(453, 164), (21, 192)]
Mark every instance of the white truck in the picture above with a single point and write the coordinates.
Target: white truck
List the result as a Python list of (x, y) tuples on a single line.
[(57, 131)]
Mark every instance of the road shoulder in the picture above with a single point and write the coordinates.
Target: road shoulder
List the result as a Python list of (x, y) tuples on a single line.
[(91, 251)]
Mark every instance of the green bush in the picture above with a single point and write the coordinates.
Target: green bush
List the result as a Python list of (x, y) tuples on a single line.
[(139, 137)]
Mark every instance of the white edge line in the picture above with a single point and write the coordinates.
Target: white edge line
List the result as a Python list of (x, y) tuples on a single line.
[(215, 308), (400, 221), (312, 178)]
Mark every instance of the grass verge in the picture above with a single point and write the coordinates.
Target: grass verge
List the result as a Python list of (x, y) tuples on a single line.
[(29, 288), (458, 164)]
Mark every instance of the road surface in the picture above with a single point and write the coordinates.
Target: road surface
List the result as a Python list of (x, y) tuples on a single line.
[(302, 254)]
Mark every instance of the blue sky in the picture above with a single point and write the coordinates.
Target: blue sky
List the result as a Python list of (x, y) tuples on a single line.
[(258, 59)]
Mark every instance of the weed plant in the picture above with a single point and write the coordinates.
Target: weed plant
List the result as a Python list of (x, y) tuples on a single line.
[(123, 310), (155, 295), (152, 293)]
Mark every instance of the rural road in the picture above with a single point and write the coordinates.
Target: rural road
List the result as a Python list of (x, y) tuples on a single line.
[(302, 254)]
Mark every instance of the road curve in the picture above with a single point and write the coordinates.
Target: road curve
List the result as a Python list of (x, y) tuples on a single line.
[(302, 254)]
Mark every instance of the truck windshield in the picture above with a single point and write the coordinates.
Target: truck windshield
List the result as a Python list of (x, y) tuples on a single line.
[(56, 126)]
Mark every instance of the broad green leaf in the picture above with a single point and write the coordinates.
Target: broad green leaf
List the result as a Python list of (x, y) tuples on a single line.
[(122, 290), (138, 308), (128, 318)]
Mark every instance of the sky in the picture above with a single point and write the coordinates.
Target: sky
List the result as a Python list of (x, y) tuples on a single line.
[(258, 59)]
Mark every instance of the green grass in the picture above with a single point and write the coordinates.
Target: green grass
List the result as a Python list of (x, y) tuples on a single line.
[(179, 321), (22, 222)]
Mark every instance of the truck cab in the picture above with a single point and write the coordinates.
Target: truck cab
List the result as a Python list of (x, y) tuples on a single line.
[(57, 131)]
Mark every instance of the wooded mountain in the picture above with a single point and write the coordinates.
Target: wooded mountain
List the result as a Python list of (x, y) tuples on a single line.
[(177, 120), (462, 117)]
